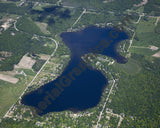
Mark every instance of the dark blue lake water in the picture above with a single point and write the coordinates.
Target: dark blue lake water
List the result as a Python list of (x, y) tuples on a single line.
[(80, 86)]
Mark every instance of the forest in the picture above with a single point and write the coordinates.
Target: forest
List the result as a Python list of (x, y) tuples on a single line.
[(152, 7), (19, 45), (138, 94)]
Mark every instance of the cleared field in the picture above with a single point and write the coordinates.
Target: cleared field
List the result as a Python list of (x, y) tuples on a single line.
[(8, 78), (153, 48), (146, 41), (26, 62), (43, 27), (43, 56), (131, 67), (142, 51), (146, 25), (27, 25), (157, 54)]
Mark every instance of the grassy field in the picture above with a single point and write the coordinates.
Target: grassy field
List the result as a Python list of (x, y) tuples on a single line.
[(10, 92), (27, 71), (146, 33), (131, 67), (27, 25), (153, 7), (142, 51), (146, 25)]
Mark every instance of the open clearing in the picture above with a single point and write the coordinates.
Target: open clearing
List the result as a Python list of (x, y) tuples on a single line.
[(26, 62), (10, 93), (7, 24), (8, 78), (156, 55), (43, 27), (131, 67), (43, 56), (153, 48)]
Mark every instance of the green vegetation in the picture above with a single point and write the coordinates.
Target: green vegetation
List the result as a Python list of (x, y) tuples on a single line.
[(131, 67), (27, 71), (62, 50), (27, 25), (58, 19), (146, 25), (153, 7), (138, 95), (96, 18), (115, 5), (9, 123), (136, 91), (10, 92), (146, 34), (113, 122), (19, 45), (38, 65), (157, 29), (62, 24), (46, 1), (11, 8), (142, 51)]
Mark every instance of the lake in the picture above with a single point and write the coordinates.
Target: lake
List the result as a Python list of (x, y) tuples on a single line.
[(80, 86)]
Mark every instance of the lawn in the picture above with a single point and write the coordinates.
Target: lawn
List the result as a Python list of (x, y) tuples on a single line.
[(146, 25)]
